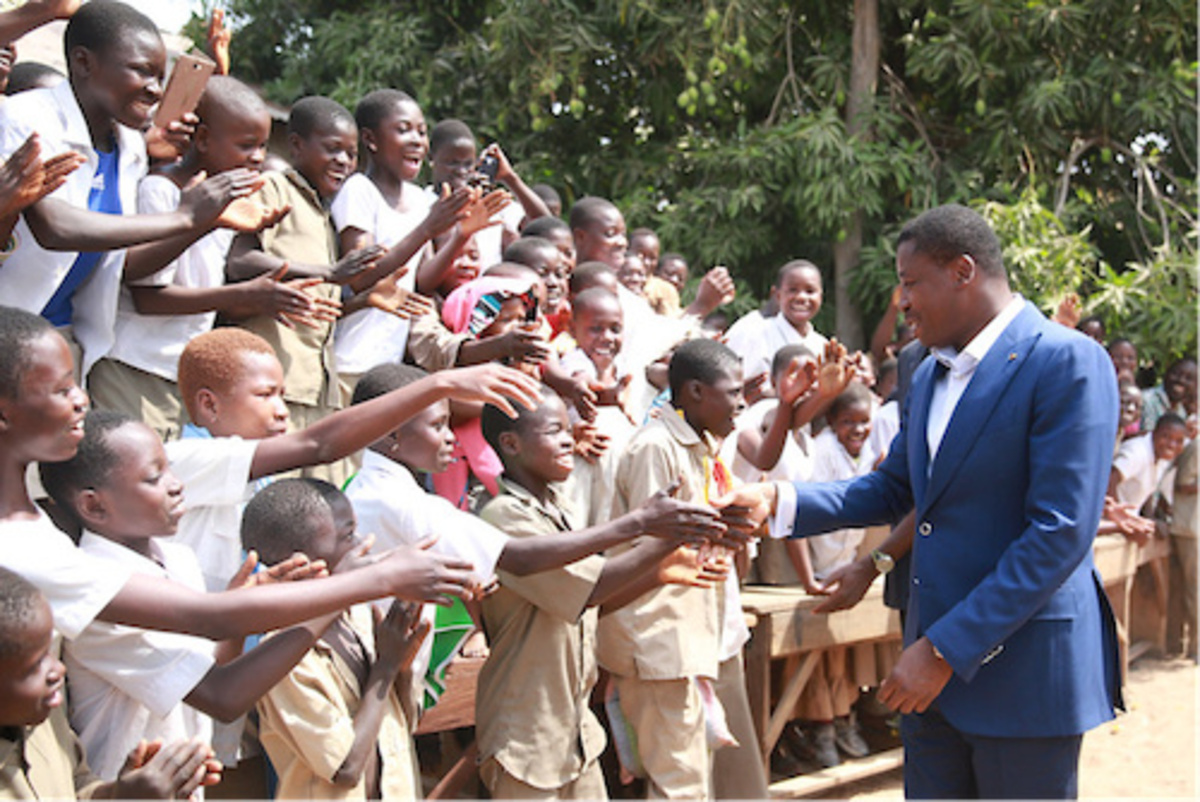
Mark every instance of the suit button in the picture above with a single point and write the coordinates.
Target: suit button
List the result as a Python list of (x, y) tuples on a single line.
[(916, 580), (926, 529)]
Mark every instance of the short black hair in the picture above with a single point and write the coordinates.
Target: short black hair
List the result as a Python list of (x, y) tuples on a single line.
[(375, 106), (642, 233), (707, 361), (1089, 320), (448, 131), (541, 226), (1169, 419), (28, 75), (585, 275), (947, 232), (226, 95), (20, 601), (495, 421), (18, 329), (283, 517), (315, 114), (854, 394), (525, 250), (382, 379), (671, 256), (1115, 341), (794, 265), (101, 24), (784, 356), (93, 463), (593, 297), (548, 194), (587, 210)]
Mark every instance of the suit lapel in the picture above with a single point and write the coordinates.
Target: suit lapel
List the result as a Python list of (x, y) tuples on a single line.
[(993, 375), (918, 419)]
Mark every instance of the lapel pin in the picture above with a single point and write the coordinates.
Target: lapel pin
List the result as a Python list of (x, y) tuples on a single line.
[(1012, 356)]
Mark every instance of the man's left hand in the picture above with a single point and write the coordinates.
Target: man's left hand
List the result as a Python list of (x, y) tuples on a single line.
[(917, 679)]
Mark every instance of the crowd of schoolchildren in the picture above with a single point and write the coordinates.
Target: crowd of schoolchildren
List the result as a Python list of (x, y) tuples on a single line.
[(323, 397)]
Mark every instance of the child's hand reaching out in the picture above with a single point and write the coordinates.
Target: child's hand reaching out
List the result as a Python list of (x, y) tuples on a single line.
[(389, 296), (686, 566), (398, 634)]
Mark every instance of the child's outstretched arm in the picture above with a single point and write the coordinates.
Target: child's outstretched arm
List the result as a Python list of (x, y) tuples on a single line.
[(530, 201), (408, 573), (16, 22), (661, 515), (763, 449), (349, 430), (398, 635), (60, 226)]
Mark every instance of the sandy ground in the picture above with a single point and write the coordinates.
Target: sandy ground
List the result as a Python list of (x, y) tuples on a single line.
[(1150, 752)]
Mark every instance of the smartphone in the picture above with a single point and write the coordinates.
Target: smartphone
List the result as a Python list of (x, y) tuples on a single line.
[(184, 87), (487, 167)]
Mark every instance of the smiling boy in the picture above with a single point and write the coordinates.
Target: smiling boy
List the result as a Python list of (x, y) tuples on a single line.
[(798, 292)]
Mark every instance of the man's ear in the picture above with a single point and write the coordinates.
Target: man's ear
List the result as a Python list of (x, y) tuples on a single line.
[(91, 507), (692, 390), (295, 142), (209, 407), (965, 269), (200, 138), (4, 426), (510, 443)]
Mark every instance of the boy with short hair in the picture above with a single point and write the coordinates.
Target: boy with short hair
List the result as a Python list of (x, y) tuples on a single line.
[(335, 727), (129, 684), (659, 646), (68, 259), (798, 292), (323, 139), (40, 758), (1143, 461), (166, 302), (537, 735)]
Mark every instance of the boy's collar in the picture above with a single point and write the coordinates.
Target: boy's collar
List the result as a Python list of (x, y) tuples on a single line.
[(305, 186), (120, 552), (191, 431), (676, 423), (553, 490)]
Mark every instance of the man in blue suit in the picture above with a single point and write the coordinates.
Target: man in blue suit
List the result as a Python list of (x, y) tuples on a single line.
[(1004, 453)]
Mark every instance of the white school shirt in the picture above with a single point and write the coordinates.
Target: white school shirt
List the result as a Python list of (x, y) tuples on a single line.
[(154, 343), (76, 585), (831, 463), (885, 425), (389, 504), (215, 472), (371, 337), (126, 683), (795, 460), (1140, 472), (758, 352), (31, 274)]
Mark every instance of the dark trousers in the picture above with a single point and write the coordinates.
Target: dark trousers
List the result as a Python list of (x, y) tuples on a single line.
[(941, 762)]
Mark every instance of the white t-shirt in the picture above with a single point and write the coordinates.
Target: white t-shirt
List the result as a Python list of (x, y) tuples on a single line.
[(1140, 472), (31, 274), (215, 472), (795, 460), (831, 463), (153, 343), (389, 504), (76, 585), (885, 425), (758, 351), (371, 337), (125, 683)]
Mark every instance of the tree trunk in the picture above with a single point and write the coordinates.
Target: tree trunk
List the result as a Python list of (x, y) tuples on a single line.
[(864, 73)]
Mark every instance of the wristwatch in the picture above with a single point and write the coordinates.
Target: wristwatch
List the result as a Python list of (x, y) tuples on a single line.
[(882, 560)]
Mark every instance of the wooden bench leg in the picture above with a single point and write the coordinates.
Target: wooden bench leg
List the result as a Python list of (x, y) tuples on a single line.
[(458, 776)]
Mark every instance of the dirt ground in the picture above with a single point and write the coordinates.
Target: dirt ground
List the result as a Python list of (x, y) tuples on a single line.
[(1150, 752)]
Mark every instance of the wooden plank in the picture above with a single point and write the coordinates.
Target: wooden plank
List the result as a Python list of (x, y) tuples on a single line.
[(819, 782), (787, 701), (456, 707)]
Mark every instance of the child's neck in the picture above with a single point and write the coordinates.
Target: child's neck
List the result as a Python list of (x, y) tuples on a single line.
[(185, 169), (15, 503), (538, 487), (698, 428), (803, 328), (390, 185)]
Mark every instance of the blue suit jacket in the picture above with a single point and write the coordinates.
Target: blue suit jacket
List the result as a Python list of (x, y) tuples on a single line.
[(1003, 579)]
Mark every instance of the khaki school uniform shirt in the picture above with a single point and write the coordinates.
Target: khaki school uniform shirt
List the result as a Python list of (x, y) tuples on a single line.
[(305, 235), (673, 631), (306, 724), (531, 703), (431, 345), (44, 762)]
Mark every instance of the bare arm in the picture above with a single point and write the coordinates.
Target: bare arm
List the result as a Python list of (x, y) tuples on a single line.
[(19, 21), (355, 428), (232, 689)]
